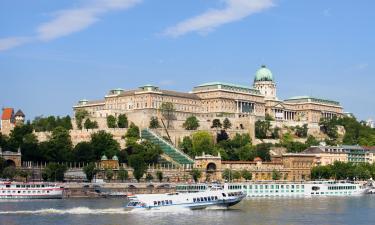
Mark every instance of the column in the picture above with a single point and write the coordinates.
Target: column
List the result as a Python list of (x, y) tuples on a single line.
[(241, 107)]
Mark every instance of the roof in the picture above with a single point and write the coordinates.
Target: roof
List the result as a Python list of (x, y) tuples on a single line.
[(312, 99), (223, 83), (313, 150), (19, 113), (263, 74), (7, 114)]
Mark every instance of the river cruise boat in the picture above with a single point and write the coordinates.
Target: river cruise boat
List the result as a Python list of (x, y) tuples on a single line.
[(286, 189), (19, 190), (215, 196)]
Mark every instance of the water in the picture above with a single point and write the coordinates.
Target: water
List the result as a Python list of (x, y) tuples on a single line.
[(323, 210)]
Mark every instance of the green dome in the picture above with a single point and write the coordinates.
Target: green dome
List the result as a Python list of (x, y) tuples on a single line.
[(104, 157), (115, 158), (263, 74)]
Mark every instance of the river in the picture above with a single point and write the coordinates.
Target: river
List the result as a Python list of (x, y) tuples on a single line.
[(320, 210)]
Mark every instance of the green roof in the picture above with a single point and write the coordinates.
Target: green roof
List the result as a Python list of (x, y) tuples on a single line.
[(226, 86), (263, 74), (223, 83), (313, 99)]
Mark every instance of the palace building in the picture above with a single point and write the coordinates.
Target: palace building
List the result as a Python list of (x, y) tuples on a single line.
[(241, 104)]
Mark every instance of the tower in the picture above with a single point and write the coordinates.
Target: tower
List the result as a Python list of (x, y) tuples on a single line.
[(264, 82)]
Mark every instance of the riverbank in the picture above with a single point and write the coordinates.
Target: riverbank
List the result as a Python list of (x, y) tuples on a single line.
[(96, 190)]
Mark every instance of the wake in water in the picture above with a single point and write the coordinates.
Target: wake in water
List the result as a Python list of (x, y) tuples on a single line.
[(87, 211)]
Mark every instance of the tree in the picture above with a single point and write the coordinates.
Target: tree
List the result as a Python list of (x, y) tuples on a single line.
[(329, 127), (123, 174), (9, 172), (216, 124), (167, 110), (109, 174), (137, 163), (90, 124), (111, 121), (122, 121), (236, 175), (276, 133), (154, 123), (191, 123), (196, 174), (301, 131), (54, 172), (51, 122), (276, 175), (246, 153), (103, 143), (202, 142), (24, 174), (84, 152), (227, 175), (246, 175), (227, 124), (159, 175), (186, 145), (90, 170), (262, 128), (133, 132), (59, 147), (311, 141), (149, 177), (222, 136), (268, 117), (80, 115), (286, 139)]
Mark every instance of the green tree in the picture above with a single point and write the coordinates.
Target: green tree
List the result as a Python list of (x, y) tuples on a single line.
[(123, 174), (263, 151), (59, 147), (246, 153), (301, 131), (90, 124), (159, 174), (90, 170), (227, 175), (54, 172), (9, 172), (221, 136), (149, 177), (227, 124), (103, 144), (122, 121), (276, 175), (216, 124), (262, 128), (202, 142), (236, 175), (276, 133), (191, 123), (268, 117), (311, 141), (109, 174), (329, 127), (321, 172), (133, 132), (111, 121), (246, 175), (167, 110), (187, 145), (137, 163), (196, 174), (24, 174), (286, 139), (84, 152), (154, 123), (80, 114)]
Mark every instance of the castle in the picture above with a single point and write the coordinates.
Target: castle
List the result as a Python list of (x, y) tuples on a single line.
[(241, 104)]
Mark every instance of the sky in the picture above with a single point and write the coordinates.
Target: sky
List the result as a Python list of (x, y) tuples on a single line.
[(54, 53)]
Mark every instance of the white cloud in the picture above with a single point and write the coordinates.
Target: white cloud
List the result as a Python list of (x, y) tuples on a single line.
[(235, 10), (11, 42), (73, 20), (68, 21)]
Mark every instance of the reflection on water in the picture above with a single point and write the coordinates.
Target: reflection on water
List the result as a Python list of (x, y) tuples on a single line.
[(323, 210)]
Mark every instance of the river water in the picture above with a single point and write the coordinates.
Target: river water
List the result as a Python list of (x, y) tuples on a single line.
[(320, 210)]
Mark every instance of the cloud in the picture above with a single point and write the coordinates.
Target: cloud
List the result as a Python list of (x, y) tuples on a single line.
[(69, 21), (11, 42), (235, 10), (73, 20)]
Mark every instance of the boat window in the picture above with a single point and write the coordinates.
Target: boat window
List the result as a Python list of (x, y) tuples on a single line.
[(159, 203), (194, 199), (198, 200), (202, 199), (155, 202), (170, 202), (27, 186), (17, 186), (224, 195), (8, 186)]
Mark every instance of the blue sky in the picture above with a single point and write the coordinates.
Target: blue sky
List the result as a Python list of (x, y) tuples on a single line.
[(53, 53)]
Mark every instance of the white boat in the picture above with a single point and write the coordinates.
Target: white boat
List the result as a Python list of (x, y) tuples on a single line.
[(37, 190), (216, 196), (287, 189)]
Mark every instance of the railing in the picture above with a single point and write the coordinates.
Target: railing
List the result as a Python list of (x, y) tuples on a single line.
[(177, 150)]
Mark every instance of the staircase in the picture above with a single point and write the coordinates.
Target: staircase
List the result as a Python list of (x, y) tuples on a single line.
[(168, 149)]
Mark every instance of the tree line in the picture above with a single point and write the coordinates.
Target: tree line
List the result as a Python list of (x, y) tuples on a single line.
[(343, 171)]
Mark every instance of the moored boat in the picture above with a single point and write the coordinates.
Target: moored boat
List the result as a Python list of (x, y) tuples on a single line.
[(30, 190), (216, 196), (287, 189)]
